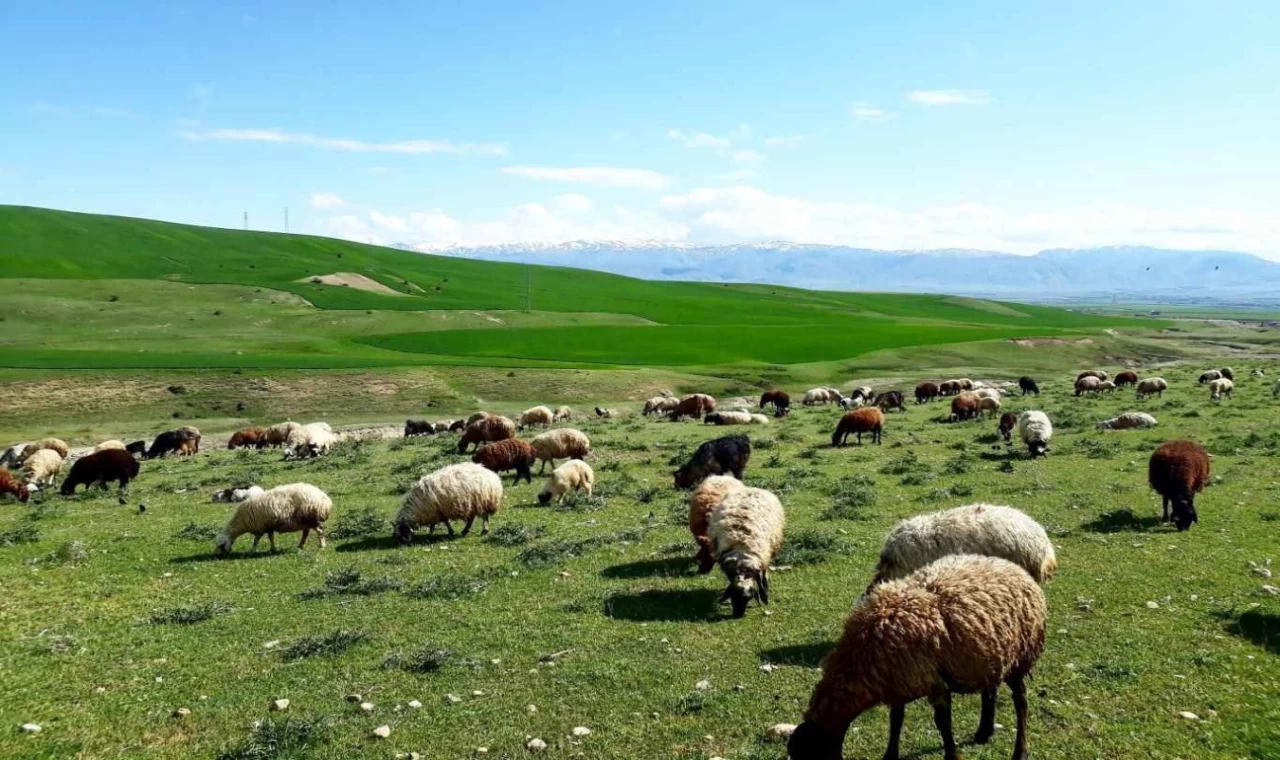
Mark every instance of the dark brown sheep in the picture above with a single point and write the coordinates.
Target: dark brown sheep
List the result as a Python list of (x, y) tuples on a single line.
[(11, 485), (926, 392), (949, 388), (694, 405), (180, 442), (1128, 377), (1008, 421), (489, 429), (1179, 470), (1100, 374), (868, 419), (255, 437), (1028, 384), (1227, 373), (110, 464), (721, 456), (890, 400), (781, 401), (966, 406), (509, 454), (414, 428)]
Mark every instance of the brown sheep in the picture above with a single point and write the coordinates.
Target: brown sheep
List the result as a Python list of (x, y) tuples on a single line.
[(510, 454), (112, 464), (694, 405), (868, 419), (477, 417), (255, 437), (704, 499), (53, 444), (1100, 374), (1088, 384), (1008, 421), (486, 430), (781, 401), (1128, 377), (926, 392), (1178, 470), (948, 388), (8, 484), (966, 406)]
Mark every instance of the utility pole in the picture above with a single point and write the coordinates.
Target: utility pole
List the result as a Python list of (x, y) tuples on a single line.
[(246, 220), (286, 220)]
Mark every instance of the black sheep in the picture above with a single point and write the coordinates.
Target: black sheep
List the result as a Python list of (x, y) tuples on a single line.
[(166, 442), (1028, 385), (890, 400), (111, 464), (137, 448), (418, 427), (727, 455)]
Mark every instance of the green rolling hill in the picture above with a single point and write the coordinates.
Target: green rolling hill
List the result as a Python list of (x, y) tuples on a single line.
[(91, 291)]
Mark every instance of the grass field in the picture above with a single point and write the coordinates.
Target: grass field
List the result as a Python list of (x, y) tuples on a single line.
[(113, 619)]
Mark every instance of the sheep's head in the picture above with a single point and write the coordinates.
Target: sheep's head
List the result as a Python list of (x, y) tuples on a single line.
[(1038, 449), (404, 533), (23, 493), (1184, 513), (811, 741), (684, 478), (745, 583), (544, 498), (223, 543)]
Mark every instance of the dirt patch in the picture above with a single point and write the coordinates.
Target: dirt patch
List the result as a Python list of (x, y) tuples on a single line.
[(353, 280), (1034, 342)]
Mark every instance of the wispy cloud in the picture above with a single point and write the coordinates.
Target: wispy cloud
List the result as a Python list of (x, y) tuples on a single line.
[(605, 176), (343, 144), (867, 112), (949, 97), (746, 156), (699, 140), (326, 200), (784, 141)]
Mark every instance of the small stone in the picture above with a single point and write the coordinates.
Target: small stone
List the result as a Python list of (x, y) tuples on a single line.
[(536, 745), (1153, 605), (100, 690), (999, 726), (702, 685), (768, 613), (280, 705), (780, 731), (452, 699), (31, 728), (366, 707), (482, 750), (1262, 572), (204, 697), (1071, 666), (354, 698), (739, 687), (1269, 589), (477, 693), (581, 731), (181, 712), (382, 732), (159, 679), (767, 668), (564, 573), (495, 661), (531, 709), (1185, 715), (271, 644), (415, 704)]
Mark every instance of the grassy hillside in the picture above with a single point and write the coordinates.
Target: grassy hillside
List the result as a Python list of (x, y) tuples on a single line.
[(111, 292)]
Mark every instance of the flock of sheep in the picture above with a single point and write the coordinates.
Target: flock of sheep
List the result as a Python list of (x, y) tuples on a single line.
[(973, 572)]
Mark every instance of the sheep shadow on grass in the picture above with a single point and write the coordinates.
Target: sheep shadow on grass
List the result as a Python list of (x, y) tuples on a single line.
[(671, 567), (234, 556), (389, 542), (659, 605), (800, 655), (1121, 520), (1261, 628)]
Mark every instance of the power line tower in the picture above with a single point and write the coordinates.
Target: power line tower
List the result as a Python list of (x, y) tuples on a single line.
[(286, 220), (246, 220)]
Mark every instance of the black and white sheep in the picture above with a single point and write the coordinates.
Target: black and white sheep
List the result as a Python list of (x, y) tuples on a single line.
[(746, 533)]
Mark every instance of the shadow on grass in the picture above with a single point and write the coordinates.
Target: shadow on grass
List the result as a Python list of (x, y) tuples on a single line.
[(802, 655), (1261, 628), (213, 556), (1121, 520), (671, 567), (676, 606), (388, 542)]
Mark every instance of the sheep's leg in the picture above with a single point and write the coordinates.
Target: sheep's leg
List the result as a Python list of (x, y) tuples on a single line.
[(320, 533), (484, 525), (305, 532), (271, 536), (1019, 688), (1164, 504), (897, 713), (467, 528), (987, 724), (448, 526), (256, 539), (942, 719)]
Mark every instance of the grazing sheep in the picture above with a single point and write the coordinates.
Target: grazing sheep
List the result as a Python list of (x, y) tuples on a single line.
[(1088, 384), (989, 404), (283, 509), (1098, 373), (311, 440), (489, 429), (414, 428), (759, 419), (605, 413), (988, 392), (866, 420), (728, 418), (1219, 388), (1106, 386), (1209, 376), (963, 624), (168, 442), (561, 443), (457, 426), (779, 399), (458, 492), (1259, 372), (1008, 421), (41, 467), (1128, 421), (746, 533), (704, 499), (926, 392), (100, 467), (563, 414), (821, 396), (278, 434), (237, 494), (12, 456), (1179, 470), (251, 436), (444, 426), (1027, 384), (949, 388), (986, 529), (965, 406), (46, 444), (1152, 385), (137, 448), (477, 417), (111, 445), (716, 457), (538, 415), (694, 405), (10, 485), (1126, 378), (965, 384), (890, 400), (661, 405), (574, 475), (1035, 430), (511, 454), (1227, 373), (852, 402)]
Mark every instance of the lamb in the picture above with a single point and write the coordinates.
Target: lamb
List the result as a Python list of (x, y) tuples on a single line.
[(12, 456), (563, 414), (780, 400), (255, 437), (1227, 373), (1035, 430), (862, 392), (46, 444), (728, 418), (746, 533), (538, 415), (100, 467), (988, 392), (963, 624), (820, 396), (278, 434), (511, 454), (704, 499), (989, 404), (890, 400), (41, 467), (965, 406), (311, 440), (1088, 384), (1128, 421), (1209, 376), (694, 405), (560, 443), (237, 494), (1008, 421), (462, 491), (1179, 470), (1027, 384), (489, 429), (10, 485), (1128, 377), (926, 392), (986, 529), (574, 475), (1219, 388), (1150, 386), (415, 428), (866, 420), (964, 383), (283, 509), (605, 413), (729, 454)]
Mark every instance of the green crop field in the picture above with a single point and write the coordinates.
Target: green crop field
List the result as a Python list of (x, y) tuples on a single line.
[(589, 614)]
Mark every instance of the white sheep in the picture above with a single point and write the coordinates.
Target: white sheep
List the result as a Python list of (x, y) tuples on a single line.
[(989, 404), (311, 440), (237, 495), (1219, 388), (863, 392), (986, 529), (759, 419), (1107, 386), (278, 434), (746, 533), (538, 415), (1152, 386), (988, 392), (821, 396), (462, 491), (283, 509), (660, 405), (1128, 421), (574, 475), (728, 418), (42, 467), (563, 414), (852, 402), (1035, 430), (107, 445), (561, 443)]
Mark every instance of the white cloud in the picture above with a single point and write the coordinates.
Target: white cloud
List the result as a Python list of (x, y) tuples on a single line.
[(949, 97), (746, 156), (699, 140), (736, 176), (604, 176), (326, 200), (344, 144), (784, 141), (572, 203), (867, 112)]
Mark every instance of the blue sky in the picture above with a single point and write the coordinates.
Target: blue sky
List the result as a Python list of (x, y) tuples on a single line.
[(1009, 126)]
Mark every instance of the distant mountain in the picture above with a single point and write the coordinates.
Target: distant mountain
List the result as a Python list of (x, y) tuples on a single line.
[(1118, 270)]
